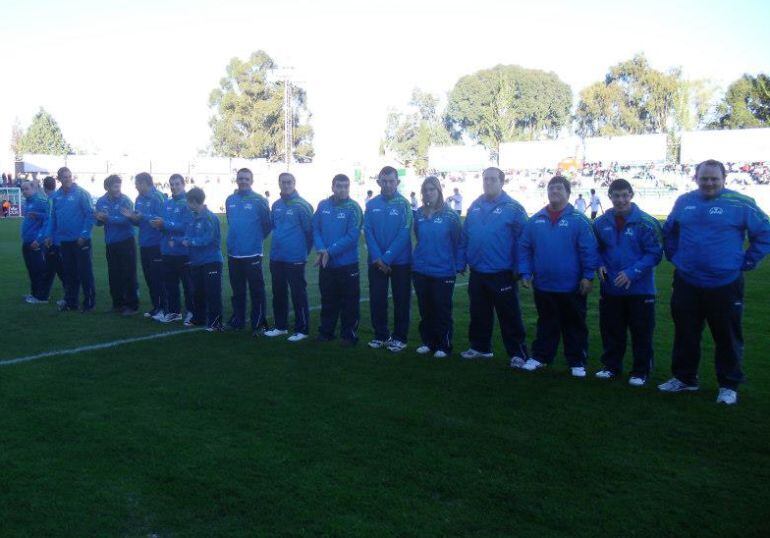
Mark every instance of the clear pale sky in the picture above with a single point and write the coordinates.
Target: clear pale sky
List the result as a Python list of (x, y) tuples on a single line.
[(135, 76)]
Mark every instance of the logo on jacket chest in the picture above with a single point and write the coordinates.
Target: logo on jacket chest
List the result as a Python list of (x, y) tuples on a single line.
[(497, 211), (394, 213), (716, 210), (563, 223)]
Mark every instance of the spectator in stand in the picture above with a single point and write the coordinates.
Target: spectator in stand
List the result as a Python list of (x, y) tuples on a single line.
[(33, 228), (457, 201)]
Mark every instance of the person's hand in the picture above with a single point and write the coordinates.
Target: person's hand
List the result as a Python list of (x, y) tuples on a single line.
[(171, 243), (585, 286), (34, 245), (157, 223), (101, 216), (81, 241), (185, 243), (622, 280), (323, 258), (47, 242), (526, 283), (126, 212), (602, 272), (382, 266)]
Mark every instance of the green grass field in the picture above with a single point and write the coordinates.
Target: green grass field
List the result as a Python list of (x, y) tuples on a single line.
[(226, 435)]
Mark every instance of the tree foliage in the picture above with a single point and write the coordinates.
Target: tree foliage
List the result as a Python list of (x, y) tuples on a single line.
[(410, 133), (746, 103), (633, 98), (508, 103), (42, 136), (248, 119)]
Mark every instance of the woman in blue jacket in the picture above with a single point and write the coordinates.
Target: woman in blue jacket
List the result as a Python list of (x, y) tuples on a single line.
[(438, 256)]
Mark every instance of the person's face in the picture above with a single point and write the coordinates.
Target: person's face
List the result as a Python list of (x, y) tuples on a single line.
[(27, 190), (114, 189), (142, 187), (493, 184), (194, 206), (557, 194), (430, 194), (621, 200), (710, 180), (244, 181), (341, 190), (65, 177), (177, 186), (388, 184), (286, 184)]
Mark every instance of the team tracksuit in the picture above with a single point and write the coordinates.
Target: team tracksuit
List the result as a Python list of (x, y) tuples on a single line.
[(176, 258), (438, 256), (633, 245), (336, 229), (148, 206), (203, 236), (387, 228), (248, 217), (492, 231), (33, 230), (72, 218), (557, 251), (292, 219), (704, 240), (120, 250)]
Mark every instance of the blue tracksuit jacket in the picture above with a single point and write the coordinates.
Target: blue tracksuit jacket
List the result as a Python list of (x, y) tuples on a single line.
[(248, 219), (150, 206), (203, 235), (439, 251), (491, 232), (557, 256), (704, 237), (634, 249), (35, 223), (292, 219), (388, 229), (336, 229), (117, 228), (176, 215), (72, 215)]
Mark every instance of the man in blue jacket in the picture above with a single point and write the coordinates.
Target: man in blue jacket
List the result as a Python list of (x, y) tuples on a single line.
[(292, 219), (336, 230), (176, 259), (69, 226), (630, 246), (53, 266), (150, 204), (387, 228), (558, 256), (120, 246), (703, 238), (35, 212), (493, 226), (248, 218), (203, 239)]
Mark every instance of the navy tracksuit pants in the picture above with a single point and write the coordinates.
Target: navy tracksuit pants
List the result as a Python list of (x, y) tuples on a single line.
[(434, 300), (399, 278), (247, 272), (53, 268), (340, 298), (176, 270), (561, 315), (619, 314), (207, 293), (35, 263), (78, 273), (286, 275), (490, 293), (722, 308), (152, 267), (121, 270)]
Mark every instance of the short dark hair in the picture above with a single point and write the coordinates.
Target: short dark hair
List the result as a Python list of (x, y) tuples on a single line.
[(563, 180), (620, 184), (49, 183), (711, 162), (500, 173), (176, 176), (245, 170), (340, 178), (593, 191), (284, 174), (387, 171), (196, 195), (61, 170), (110, 180), (143, 177)]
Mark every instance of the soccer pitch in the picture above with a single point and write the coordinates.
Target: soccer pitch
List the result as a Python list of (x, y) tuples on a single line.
[(204, 434)]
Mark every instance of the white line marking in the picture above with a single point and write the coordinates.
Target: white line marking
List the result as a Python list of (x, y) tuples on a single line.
[(115, 343)]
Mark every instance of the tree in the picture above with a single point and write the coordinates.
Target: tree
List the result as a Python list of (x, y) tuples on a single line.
[(507, 103), (746, 103), (248, 119), (634, 98), (42, 136), (16, 133), (695, 104), (409, 134)]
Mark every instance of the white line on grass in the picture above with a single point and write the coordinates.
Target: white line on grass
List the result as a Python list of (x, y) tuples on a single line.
[(123, 341)]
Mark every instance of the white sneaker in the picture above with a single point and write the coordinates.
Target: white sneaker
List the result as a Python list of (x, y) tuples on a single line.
[(170, 317), (160, 315), (275, 332), (471, 353), (517, 362), (605, 374), (578, 371), (396, 345), (188, 318), (423, 349), (636, 381), (440, 354), (727, 396), (296, 337), (376, 344), (532, 364), (61, 302), (32, 300), (674, 385)]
